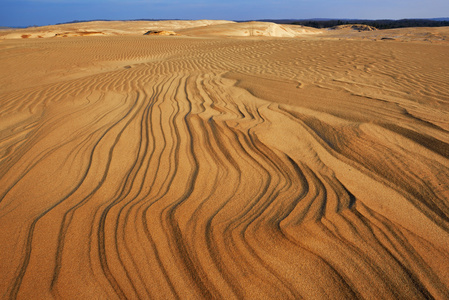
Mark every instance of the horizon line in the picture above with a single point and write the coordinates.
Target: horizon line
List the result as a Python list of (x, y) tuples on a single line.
[(234, 20)]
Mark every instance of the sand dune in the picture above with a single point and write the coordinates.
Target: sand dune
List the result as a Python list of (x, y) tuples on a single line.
[(159, 167), (104, 28), (251, 29), (190, 28)]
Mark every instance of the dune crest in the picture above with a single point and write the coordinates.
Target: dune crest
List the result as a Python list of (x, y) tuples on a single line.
[(252, 29), (136, 167), (105, 28)]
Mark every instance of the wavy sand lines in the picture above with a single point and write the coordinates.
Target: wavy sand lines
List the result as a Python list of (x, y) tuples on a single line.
[(224, 168)]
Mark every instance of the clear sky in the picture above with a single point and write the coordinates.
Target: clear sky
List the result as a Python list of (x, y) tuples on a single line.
[(45, 12)]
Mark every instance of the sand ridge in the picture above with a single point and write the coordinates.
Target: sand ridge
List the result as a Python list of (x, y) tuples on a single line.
[(139, 166), (221, 28), (253, 29), (105, 28)]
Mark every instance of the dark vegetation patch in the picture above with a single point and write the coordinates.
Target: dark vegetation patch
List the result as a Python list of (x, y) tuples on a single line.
[(379, 24)]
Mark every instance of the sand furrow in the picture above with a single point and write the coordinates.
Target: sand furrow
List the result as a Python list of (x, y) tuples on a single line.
[(181, 167)]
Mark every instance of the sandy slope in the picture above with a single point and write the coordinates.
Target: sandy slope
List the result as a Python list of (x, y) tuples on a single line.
[(105, 28), (264, 168), (250, 29)]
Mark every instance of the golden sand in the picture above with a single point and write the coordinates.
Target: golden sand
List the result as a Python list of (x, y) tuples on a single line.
[(216, 164)]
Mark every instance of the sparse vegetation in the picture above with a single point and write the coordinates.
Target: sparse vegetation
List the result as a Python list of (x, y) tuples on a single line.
[(379, 24)]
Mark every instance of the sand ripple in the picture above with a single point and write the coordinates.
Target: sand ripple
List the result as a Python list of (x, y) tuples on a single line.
[(137, 167)]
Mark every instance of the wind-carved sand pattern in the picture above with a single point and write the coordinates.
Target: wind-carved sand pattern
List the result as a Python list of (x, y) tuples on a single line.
[(174, 167)]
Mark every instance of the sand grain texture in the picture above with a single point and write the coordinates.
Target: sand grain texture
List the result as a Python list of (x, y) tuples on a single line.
[(207, 167)]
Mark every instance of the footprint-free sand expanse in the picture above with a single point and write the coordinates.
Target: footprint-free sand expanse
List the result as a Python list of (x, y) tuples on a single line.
[(300, 163)]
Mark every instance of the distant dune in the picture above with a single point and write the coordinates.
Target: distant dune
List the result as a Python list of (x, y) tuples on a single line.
[(231, 161), (217, 28), (107, 28), (250, 29)]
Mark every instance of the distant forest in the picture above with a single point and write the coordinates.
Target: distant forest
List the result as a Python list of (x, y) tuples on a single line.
[(379, 24)]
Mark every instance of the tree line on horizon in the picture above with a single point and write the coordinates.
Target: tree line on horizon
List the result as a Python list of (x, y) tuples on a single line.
[(379, 24)]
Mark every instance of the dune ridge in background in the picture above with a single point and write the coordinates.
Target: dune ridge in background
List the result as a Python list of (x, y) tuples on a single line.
[(312, 166)]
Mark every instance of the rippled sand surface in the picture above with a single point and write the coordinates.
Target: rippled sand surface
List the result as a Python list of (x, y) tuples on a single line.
[(193, 167)]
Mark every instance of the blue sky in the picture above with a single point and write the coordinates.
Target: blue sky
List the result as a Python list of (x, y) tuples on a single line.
[(44, 12)]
